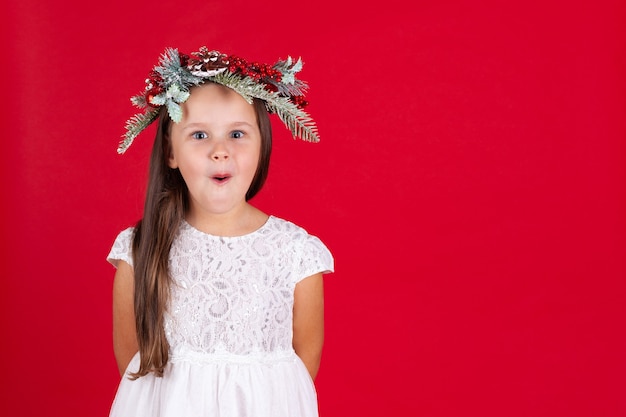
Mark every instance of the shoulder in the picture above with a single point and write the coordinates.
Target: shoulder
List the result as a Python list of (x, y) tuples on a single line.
[(289, 229), (125, 236), (286, 226), (312, 254), (122, 247)]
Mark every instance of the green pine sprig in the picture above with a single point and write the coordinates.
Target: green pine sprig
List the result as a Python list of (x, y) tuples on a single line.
[(297, 120), (289, 84), (134, 126), (139, 100), (173, 73)]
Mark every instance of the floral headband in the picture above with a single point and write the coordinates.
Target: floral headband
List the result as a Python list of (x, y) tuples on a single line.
[(169, 82)]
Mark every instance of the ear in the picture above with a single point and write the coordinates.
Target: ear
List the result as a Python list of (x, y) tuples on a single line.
[(171, 161)]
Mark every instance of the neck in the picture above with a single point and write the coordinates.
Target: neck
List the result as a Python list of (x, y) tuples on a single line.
[(238, 222)]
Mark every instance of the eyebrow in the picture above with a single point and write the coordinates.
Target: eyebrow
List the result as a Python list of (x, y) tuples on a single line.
[(197, 125)]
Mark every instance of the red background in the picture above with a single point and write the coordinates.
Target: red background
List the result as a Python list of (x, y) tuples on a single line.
[(471, 183)]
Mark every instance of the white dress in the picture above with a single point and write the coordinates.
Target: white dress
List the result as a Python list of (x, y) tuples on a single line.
[(229, 326)]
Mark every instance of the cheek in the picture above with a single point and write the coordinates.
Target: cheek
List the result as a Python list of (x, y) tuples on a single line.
[(190, 168), (253, 162)]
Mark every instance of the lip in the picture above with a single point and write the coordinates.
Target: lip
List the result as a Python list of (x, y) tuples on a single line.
[(221, 178)]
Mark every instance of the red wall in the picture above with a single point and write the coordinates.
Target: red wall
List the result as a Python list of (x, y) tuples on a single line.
[(471, 183)]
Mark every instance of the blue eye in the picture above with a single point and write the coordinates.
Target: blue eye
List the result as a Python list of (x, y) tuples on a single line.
[(237, 134), (199, 135)]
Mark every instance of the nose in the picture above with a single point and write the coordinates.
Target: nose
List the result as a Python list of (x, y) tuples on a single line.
[(219, 152)]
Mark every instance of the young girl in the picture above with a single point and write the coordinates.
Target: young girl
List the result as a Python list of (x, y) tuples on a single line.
[(217, 306)]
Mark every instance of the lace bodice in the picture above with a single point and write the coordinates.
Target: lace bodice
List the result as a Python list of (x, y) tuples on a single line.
[(234, 295)]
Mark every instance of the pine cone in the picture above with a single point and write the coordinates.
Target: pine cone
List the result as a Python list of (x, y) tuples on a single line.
[(207, 63)]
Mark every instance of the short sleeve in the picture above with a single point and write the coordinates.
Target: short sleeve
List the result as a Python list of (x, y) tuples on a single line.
[(122, 248), (314, 258)]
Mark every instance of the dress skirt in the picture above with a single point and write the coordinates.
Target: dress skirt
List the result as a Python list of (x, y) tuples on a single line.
[(202, 385)]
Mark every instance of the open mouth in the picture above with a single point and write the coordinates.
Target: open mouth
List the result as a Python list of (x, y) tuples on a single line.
[(221, 178)]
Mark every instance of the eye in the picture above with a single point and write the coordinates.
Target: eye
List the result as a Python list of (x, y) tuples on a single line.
[(237, 134), (199, 135)]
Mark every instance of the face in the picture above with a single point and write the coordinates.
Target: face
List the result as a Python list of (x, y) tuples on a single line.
[(216, 147)]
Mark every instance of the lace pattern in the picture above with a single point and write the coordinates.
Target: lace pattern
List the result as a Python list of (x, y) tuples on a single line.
[(234, 295)]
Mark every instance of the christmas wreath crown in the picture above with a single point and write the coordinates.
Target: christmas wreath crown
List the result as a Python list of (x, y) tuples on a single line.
[(169, 83)]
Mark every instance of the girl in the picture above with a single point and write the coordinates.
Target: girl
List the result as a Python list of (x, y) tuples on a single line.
[(217, 306)]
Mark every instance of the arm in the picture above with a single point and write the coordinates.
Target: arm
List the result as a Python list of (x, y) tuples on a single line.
[(308, 321), (124, 334)]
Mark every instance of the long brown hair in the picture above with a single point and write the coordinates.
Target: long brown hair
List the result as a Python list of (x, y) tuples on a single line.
[(165, 206)]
